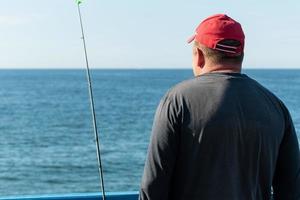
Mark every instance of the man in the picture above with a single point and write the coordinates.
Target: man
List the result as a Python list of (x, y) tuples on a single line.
[(221, 135)]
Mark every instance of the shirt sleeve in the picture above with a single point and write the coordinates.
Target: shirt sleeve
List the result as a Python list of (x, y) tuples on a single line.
[(162, 152), (286, 181)]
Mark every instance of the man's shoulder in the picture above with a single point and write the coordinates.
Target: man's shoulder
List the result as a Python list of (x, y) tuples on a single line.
[(182, 87), (265, 90), (214, 83)]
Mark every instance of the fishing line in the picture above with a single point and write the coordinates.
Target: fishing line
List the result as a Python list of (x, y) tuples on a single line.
[(92, 105)]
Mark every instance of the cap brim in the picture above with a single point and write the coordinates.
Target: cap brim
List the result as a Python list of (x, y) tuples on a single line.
[(191, 39)]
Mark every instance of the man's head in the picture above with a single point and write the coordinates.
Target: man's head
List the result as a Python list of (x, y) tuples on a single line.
[(218, 45)]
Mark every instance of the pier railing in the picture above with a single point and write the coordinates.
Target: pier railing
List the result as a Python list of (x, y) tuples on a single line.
[(84, 196)]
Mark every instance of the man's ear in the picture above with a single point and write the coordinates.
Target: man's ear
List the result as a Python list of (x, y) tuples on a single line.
[(201, 60)]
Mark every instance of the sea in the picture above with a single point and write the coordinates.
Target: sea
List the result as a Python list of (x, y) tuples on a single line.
[(46, 134)]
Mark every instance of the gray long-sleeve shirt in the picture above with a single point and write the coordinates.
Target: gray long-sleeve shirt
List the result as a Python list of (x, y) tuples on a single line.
[(221, 136)]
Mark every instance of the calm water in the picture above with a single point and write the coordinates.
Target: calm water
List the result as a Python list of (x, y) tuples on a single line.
[(46, 138)]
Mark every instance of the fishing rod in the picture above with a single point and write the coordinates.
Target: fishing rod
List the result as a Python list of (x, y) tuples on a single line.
[(92, 104)]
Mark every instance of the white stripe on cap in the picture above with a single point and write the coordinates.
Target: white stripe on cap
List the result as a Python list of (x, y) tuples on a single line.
[(228, 51), (226, 46)]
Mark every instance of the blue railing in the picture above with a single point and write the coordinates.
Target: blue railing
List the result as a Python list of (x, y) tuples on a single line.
[(87, 196)]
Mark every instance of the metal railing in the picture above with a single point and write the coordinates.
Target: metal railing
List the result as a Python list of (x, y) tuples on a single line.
[(84, 196)]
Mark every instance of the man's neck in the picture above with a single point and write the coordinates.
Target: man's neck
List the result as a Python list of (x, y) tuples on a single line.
[(221, 68)]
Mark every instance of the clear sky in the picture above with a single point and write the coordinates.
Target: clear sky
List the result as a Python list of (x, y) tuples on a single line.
[(140, 33)]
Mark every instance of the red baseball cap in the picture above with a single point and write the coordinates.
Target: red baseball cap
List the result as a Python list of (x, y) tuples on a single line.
[(216, 28)]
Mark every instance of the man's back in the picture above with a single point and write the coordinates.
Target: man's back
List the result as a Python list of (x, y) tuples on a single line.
[(221, 136)]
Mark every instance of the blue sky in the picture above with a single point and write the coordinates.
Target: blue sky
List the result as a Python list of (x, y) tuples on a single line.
[(140, 33)]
